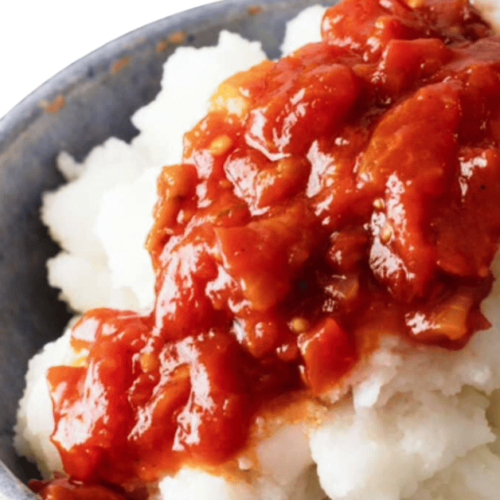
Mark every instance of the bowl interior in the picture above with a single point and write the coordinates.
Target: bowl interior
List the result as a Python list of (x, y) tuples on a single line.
[(77, 109)]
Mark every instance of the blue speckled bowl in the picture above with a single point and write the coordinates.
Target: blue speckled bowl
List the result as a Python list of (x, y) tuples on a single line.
[(76, 110)]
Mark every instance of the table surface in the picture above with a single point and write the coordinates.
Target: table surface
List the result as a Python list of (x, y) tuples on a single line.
[(38, 39)]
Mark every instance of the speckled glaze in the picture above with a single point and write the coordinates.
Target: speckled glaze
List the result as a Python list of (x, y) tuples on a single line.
[(79, 108)]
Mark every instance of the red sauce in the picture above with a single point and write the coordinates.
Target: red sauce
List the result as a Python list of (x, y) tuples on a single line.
[(346, 191), (67, 489)]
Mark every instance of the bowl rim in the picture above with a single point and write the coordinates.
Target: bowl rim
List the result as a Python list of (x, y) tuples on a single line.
[(18, 118)]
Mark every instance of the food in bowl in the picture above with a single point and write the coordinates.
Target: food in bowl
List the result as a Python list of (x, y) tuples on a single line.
[(323, 317)]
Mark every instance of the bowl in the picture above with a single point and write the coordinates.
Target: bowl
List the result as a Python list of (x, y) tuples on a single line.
[(76, 110)]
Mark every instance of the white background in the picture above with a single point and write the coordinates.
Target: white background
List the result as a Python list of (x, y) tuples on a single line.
[(38, 38)]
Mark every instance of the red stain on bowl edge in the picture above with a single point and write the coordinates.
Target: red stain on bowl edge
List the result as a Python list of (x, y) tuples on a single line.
[(53, 106)]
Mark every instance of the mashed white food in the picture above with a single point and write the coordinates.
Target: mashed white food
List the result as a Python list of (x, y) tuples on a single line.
[(421, 423)]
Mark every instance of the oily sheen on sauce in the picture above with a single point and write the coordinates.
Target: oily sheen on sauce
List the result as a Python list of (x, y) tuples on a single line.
[(347, 191)]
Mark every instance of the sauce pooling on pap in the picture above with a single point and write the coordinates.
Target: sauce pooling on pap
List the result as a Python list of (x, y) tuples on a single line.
[(344, 192)]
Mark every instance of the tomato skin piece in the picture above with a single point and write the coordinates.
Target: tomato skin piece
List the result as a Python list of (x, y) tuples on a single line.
[(90, 402), (317, 100), (367, 26), (406, 62), (268, 251), (328, 353), (65, 489)]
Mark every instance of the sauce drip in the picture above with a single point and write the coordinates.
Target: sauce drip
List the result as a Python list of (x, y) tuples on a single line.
[(347, 191)]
